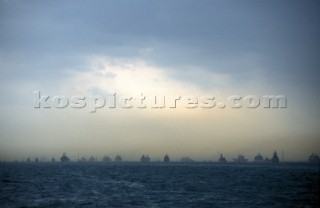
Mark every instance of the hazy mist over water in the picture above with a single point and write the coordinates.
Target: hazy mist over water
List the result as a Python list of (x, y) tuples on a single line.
[(167, 48)]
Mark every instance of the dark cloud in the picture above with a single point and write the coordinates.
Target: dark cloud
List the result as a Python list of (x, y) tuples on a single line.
[(47, 35)]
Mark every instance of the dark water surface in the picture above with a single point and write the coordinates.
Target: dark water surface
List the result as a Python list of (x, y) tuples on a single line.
[(158, 185)]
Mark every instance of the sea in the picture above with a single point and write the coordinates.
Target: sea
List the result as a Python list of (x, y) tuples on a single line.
[(158, 185)]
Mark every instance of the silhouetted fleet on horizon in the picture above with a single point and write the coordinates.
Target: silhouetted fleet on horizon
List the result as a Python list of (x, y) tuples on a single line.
[(257, 159), (241, 159)]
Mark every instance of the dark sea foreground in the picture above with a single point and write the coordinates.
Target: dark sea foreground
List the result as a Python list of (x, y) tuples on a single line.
[(158, 185)]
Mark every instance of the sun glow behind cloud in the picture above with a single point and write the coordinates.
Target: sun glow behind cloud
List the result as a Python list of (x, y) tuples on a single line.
[(200, 133)]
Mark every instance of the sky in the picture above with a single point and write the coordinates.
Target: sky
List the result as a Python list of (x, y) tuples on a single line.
[(189, 49)]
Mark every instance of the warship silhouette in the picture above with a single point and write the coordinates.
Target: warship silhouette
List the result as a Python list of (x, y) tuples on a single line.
[(258, 158), (313, 158), (275, 158), (145, 159), (64, 158), (166, 158), (222, 159), (241, 159)]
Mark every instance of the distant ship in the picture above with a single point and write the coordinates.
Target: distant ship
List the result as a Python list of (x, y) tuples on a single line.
[(53, 160), (64, 158), (186, 159), (240, 159), (314, 158), (275, 158), (258, 158), (106, 159), (92, 159), (36, 160), (145, 159), (118, 158), (166, 158), (82, 159), (222, 159)]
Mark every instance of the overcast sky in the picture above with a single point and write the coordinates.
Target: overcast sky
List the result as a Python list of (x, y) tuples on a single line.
[(169, 48)]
